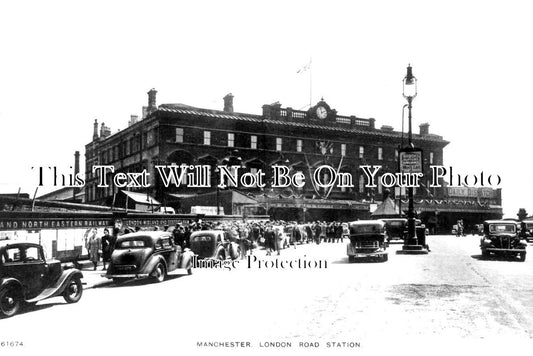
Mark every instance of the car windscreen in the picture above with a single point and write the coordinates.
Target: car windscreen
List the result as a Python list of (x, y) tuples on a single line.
[(362, 229), (495, 228), (131, 244), (199, 238), (395, 223)]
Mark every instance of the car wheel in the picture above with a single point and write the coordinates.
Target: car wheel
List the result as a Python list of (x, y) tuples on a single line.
[(522, 256), (159, 273), (385, 258), (484, 253), (189, 271), (351, 259), (73, 290), (10, 302)]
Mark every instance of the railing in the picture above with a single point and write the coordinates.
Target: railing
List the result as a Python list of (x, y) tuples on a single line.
[(344, 120), (361, 122), (288, 113)]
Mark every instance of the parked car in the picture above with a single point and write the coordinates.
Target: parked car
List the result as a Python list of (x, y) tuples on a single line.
[(395, 228), (213, 244), (367, 240), (526, 231), (27, 277), (501, 238), (147, 254)]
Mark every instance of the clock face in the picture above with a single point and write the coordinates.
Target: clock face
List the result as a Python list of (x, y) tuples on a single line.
[(321, 112)]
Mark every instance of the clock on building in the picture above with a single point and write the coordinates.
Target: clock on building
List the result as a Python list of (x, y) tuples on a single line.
[(321, 112)]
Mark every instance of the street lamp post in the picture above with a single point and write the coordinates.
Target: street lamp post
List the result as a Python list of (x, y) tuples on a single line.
[(411, 162), (409, 93)]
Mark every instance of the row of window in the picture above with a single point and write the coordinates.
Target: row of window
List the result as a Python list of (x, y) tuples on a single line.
[(279, 144), (128, 146)]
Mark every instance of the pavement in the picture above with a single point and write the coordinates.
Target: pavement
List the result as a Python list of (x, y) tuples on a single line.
[(92, 278)]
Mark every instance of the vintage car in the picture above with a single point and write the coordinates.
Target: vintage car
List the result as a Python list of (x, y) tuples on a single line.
[(501, 237), (395, 228), (146, 254), (526, 231), (367, 240), (213, 244), (26, 277)]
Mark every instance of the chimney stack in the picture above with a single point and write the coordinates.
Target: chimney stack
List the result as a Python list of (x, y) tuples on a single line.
[(424, 129), (228, 103), (152, 106), (76, 162), (95, 131), (104, 131), (133, 119)]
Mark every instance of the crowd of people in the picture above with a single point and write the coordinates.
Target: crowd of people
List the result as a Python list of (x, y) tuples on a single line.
[(273, 235)]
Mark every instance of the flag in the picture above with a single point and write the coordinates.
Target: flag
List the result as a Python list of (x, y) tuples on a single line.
[(304, 68)]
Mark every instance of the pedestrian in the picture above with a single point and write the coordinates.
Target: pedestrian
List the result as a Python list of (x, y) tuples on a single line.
[(338, 232), (330, 232), (94, 246), (108, 245), (179, 236), (296, 234), (317, 229), (270, 237), (323, 228)]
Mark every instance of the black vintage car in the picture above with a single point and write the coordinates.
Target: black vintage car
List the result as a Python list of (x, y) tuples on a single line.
[(26, 277), (526, 231), (396, 228), (501, 237), (213, 244), (367, 240), (147, 254)]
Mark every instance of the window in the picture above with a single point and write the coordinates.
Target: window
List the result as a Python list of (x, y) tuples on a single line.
[(207, 137), (380, 153), (253, 141), (361, 152), (231, 139), (179, 134), (298, 145), (279, 143), (343, 149), (430, 157)]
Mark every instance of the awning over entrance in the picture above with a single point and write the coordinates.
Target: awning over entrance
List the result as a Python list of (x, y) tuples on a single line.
[(386, 209), (232, 201), (180, 196), (141, 198)]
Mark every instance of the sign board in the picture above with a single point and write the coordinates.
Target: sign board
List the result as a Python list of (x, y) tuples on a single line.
[(206, 210), (471, 192), (411, 161)]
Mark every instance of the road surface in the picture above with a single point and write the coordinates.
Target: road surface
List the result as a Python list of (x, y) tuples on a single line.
[(448, 301)]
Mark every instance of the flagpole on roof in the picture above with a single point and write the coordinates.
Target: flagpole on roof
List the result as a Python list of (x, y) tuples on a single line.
[(310, 82)]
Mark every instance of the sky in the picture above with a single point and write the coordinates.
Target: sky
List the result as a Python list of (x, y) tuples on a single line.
[(64, 64)]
